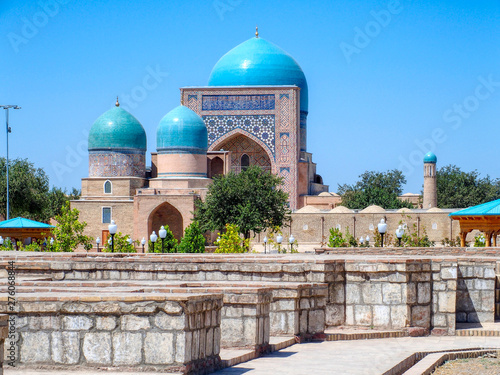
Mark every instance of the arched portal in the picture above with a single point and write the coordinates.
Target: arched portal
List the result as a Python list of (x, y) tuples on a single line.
[(216, 166), (166, 214), (246, 152)]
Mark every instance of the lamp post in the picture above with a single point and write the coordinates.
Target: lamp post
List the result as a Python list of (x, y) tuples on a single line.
[(382, 228), (279, 240), (367, 240), (265, 244), (399, 234), (112, 230), (163, 233), (129, 241), (291, 240), (1, 241), (8, 130), (361, 241), (153, 239), (143, 242), (97, 241)]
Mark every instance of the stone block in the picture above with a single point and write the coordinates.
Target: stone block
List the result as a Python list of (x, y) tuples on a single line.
[(424, 293), (399, 316), (397, 277), (421, 316), (39, 323), (35, 347), (439, 320), (209, 346), (97, 348), (411, 293), (134, 323), (353, 294), (381, 316), (159, 348), (363, 315), (334, 315), (447, 301), (76, 323), (484, 284), (372, 293), (316, 321), (168, 322), (391, 294), (337, 294), (349, 315), (487, 300), (127, 348), (106, 323), (461, 317), (489, 273), (304, 304), (448, 273), (66, 347)]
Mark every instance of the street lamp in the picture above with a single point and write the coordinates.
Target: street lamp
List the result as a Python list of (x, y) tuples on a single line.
[(153, 239), (8, 130), (163, 233), (361, 240), (291, 240), (279, 240), (129, 241), (265, 244), (112, 230), (51, 243), (367, 240), (399, 234), (382, 228), (97, 241), (1, 241), (143, 242)]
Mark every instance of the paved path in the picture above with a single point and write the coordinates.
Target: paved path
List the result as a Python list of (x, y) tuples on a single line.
[(363, 357)]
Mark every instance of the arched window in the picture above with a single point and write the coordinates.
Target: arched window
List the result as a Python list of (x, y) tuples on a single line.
[(107, 187), (245, 162)]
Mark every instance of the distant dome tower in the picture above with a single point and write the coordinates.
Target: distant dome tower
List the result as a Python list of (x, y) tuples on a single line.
[(117, 145), (181, 142), (430, 184)]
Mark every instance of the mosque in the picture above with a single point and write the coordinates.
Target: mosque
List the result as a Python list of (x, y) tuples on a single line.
[(253, 112)]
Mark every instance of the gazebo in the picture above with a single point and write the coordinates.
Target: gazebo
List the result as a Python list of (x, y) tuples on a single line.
[(21, 229), (484, 217)]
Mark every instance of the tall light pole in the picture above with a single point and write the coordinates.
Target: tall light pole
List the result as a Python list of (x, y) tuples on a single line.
[(382, 228), (8, 130), (112, 230)]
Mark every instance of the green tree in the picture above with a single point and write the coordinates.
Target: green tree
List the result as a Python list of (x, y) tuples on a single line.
[(121, 244), (252, 200), (459, 189), (58, 197), (170, 242), (230, 241), (380, 188), (193, 240), (68, 233)]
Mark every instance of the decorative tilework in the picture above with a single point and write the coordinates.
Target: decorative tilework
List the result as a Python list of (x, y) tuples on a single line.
[(117, 164), (242, 145), (261, 126), (237, 102)]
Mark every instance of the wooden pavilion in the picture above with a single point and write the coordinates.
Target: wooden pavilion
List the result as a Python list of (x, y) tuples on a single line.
[(484, 217), (20, 229)]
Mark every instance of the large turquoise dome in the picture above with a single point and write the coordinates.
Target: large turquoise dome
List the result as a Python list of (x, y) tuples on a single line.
[(258, 62), (118, 130), (181, 131), (430, 158)]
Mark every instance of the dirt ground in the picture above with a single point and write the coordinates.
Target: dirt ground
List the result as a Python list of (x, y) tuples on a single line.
[(471, 366)]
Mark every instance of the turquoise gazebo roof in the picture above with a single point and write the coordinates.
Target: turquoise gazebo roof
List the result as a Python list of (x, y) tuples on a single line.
[(258, 62), (21, 222), (430, 158), (181, 131), (117, 129), (486, 209)]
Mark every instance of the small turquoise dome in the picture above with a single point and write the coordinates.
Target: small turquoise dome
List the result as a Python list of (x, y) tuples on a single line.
[(258, 62), (430, 158), (117, 129), (182, 131)]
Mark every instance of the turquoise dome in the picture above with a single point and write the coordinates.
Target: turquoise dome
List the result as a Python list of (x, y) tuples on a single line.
[(430, 158), (181, 131), (117, 129), (258, 62)]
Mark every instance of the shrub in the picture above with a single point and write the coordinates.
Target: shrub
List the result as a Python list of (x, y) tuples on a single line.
[(121, 244), (231, 242), (193, 240)]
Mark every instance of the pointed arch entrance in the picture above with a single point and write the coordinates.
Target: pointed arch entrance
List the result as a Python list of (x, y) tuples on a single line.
[(166, 214), (245, 152)]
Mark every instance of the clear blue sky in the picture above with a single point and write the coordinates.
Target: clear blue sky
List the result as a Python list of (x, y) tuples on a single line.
[(426, 72)]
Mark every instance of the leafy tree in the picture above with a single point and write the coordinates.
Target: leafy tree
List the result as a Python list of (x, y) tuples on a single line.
[(337, 239), (121, 244), (231, 242), (251, 200), (68, 233), (380, 188), (459, 189), (58, 197), (411, 238), (193, 240)]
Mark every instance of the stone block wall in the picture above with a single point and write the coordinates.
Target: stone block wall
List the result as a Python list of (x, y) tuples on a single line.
[(174, 333), (475, 292), (4, 333), (444, 297)]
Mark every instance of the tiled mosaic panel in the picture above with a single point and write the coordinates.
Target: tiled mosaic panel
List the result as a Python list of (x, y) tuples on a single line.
[(261, 126), (237, 102), (241, 145), (115, 164)]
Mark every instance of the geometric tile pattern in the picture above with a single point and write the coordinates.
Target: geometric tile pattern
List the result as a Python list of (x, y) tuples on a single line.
[(237, 102), (242, 145), (117, 164), (260, 126)]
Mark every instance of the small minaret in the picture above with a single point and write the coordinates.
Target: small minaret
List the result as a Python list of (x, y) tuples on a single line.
[(430, 185)]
